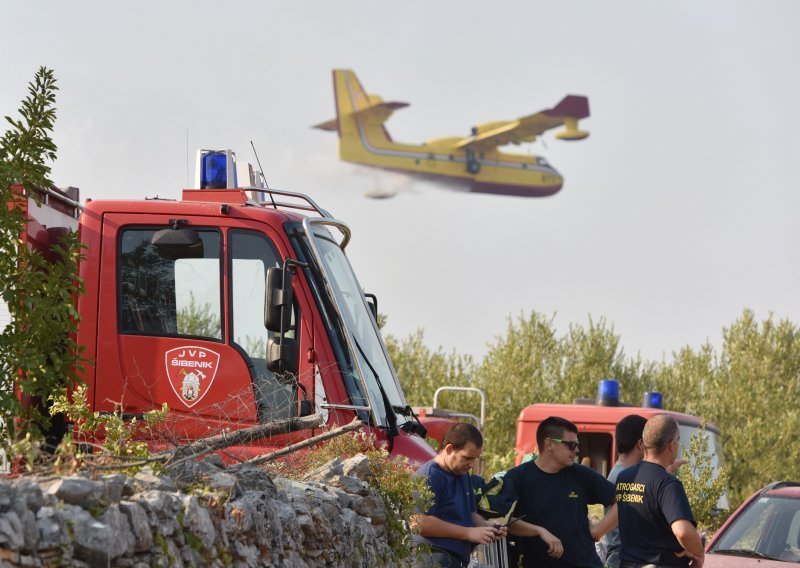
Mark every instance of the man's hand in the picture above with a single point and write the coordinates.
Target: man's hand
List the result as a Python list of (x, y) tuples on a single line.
[(554, 546), (694, 561), (482, 535), (676, 465), (499, 532), (608, 522)]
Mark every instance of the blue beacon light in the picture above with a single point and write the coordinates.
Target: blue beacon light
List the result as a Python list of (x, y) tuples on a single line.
[(652, 399), (214, 171), (608, 393)]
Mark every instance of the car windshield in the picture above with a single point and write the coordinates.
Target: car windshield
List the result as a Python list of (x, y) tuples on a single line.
[(768, 528), (364, 353)]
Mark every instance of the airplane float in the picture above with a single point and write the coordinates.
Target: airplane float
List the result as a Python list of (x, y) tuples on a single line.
[(474, 163)]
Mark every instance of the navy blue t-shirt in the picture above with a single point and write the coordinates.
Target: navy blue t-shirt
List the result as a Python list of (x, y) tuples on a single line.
[(453, 502), (649, 500), (558, 502)]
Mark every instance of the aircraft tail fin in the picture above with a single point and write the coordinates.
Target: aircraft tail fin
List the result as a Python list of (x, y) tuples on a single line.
[(357, 112), (572, 106), (570, 109)]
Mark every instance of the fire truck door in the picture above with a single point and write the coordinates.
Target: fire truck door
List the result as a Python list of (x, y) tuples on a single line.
[(162, 327)]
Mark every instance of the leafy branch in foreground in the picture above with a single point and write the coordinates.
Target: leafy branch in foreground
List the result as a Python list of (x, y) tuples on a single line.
[(38, 354), (120, 439)]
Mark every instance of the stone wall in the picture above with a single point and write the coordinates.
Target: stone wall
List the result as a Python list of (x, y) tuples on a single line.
[(201, 515)]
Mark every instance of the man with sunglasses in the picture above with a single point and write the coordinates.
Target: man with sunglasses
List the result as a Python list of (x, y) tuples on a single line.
[(553, 493), (656, 526)]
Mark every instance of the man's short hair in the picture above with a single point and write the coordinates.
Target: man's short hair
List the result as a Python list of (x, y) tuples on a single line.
[(460, 433), (659, 431), (628, 432), (553, 427)]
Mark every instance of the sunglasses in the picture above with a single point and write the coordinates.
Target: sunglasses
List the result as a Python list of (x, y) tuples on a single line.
[(572, 445)]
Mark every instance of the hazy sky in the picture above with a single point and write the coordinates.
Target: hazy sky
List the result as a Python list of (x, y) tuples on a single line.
[(678, 211)]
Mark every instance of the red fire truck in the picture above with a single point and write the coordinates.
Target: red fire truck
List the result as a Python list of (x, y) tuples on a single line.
[(234, 305), (597, 419)]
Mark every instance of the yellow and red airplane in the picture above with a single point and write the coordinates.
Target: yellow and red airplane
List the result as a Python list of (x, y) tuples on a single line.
[(474, 162)]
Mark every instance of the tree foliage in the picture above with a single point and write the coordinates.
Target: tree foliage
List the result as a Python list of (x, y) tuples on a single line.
[(755, 400), (37, 350), (424, 370), (532, 363), (704, 483)]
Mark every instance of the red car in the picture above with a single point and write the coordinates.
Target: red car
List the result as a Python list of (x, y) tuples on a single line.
[(763, 532)]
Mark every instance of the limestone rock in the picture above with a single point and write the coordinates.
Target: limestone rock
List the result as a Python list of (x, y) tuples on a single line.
[(73, 490), (140, 527), (197, 521)]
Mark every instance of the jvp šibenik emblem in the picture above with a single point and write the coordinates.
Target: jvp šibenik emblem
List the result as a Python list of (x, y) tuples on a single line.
[(191, 370)]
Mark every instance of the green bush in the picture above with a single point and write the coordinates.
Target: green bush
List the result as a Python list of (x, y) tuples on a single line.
[(38, 354), (403, 494), (704, 486)]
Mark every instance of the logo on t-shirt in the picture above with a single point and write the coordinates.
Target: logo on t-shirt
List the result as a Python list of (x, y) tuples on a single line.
[(572, 495)]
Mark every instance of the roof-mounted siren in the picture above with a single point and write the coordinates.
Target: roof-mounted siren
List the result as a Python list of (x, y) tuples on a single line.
[(608, 393), (653, 399), (215, 169)]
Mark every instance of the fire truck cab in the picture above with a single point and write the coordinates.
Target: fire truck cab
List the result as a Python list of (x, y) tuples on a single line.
[(235, 305)]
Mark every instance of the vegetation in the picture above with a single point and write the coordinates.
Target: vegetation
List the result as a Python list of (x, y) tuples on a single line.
[(122, 439), (750, 389), (403, 494), (37, 350), (704, 485)]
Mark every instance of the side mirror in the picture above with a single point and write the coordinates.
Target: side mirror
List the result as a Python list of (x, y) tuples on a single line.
[(177, 243), (283, 355), (278, 299)]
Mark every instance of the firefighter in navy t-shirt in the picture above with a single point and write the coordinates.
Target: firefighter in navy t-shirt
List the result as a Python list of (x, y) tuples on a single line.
[(452, 525), (552, 493), (656, 524)]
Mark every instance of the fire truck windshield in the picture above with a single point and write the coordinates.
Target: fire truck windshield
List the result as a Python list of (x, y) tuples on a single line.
[(360, 348)]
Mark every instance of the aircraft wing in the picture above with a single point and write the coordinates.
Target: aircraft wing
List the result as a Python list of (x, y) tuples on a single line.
[(526, 129)]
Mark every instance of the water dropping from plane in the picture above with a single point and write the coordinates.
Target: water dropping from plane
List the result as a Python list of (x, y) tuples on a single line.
[(380, 194)]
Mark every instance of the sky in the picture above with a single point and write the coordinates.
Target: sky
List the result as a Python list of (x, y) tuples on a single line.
[(679, 211)]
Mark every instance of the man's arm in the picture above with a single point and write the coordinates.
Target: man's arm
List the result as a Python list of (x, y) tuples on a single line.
[(689, 539), (608, 522), (430, 526), (554, 546)]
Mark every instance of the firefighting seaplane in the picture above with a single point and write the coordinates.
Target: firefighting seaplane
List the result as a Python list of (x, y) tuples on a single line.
[(474, 163)]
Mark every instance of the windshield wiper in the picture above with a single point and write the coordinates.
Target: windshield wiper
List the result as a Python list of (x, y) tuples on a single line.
[(743, 552), (415, 427), (391, 417)]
